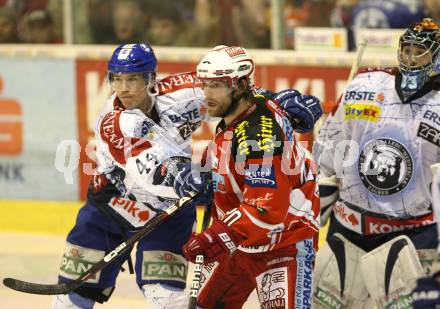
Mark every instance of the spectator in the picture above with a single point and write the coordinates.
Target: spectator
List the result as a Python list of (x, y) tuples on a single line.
[(166, 24), (341, 15), (171, 25), (251, 23), (432, 9), (387, 14), (128, 22), (8, 26), (38, 27)]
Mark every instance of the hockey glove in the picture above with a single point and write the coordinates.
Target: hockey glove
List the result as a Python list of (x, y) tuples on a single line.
[(189, 182), (426, 294), (304, 110), (213, 243)]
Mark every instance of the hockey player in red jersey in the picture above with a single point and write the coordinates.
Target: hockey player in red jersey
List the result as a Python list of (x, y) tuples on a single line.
[(265, 222), (143, 137)]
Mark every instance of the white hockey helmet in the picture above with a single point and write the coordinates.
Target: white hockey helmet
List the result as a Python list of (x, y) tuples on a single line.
[(229, 63)]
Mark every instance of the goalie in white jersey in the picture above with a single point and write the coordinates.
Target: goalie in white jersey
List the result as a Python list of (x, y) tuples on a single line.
[(143, 142), (374, 154)]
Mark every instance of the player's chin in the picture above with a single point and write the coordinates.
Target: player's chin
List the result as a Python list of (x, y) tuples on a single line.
[(213, 111), (128, 102)]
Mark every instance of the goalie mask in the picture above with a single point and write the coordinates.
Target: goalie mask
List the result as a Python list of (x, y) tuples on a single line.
[(133, 59), (419, 54)]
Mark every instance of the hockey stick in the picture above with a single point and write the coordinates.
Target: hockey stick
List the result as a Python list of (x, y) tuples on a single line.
[(358, 59), (198, 266), (64, 288)]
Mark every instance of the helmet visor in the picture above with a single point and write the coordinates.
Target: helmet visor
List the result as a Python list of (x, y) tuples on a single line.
[(130, 81), (215, 84)]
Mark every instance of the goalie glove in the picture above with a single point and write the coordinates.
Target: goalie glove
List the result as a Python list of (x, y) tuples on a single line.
[(213, 243)]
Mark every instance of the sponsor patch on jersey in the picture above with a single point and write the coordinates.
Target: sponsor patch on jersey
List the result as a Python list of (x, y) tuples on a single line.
[(360, 111), (432, 116), (330, 299), (186, 129), (255, 139), (164, 265), (240, 132), (136, 213), (260, 176), (272, 288), (304, 270), (429, 133), (185, 116), (385, 166), (360, 96), (77, 260), (146, 126), (265, 137), (348, 217)]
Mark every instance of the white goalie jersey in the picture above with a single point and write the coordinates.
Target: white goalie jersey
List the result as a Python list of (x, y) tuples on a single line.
[(380, 148), (133, 151)]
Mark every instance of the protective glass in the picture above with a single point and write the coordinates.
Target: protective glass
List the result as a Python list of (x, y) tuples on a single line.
[(215, 84)]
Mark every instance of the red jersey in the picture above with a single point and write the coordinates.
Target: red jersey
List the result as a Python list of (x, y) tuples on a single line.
[(264, 185)]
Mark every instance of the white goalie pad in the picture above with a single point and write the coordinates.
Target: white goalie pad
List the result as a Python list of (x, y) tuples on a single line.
[(390, 273), (337, 283), (329, 194)]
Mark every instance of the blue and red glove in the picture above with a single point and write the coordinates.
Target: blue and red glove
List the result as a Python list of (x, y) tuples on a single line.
[(426, 294), (189, 182), (213, 243), (304, 110)]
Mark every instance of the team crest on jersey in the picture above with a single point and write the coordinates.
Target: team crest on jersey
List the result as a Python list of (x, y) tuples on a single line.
[(385, 166)]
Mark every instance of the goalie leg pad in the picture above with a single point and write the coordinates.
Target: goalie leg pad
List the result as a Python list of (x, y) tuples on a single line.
[(337, 283), (390, 272), (329, 194)]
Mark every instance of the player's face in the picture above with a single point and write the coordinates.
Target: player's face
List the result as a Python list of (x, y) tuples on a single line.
[(414, 56), (218, 97), (131, 90)]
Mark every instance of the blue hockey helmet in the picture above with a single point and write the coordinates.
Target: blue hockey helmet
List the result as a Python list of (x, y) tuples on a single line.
[(133, 58)]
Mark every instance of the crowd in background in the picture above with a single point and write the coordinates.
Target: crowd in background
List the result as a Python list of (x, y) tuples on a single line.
[(198, 22)]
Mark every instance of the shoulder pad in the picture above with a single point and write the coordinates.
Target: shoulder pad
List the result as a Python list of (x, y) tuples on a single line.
[(176, 82)]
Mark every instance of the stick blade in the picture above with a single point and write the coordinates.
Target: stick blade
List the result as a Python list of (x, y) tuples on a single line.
[(41, 289)]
